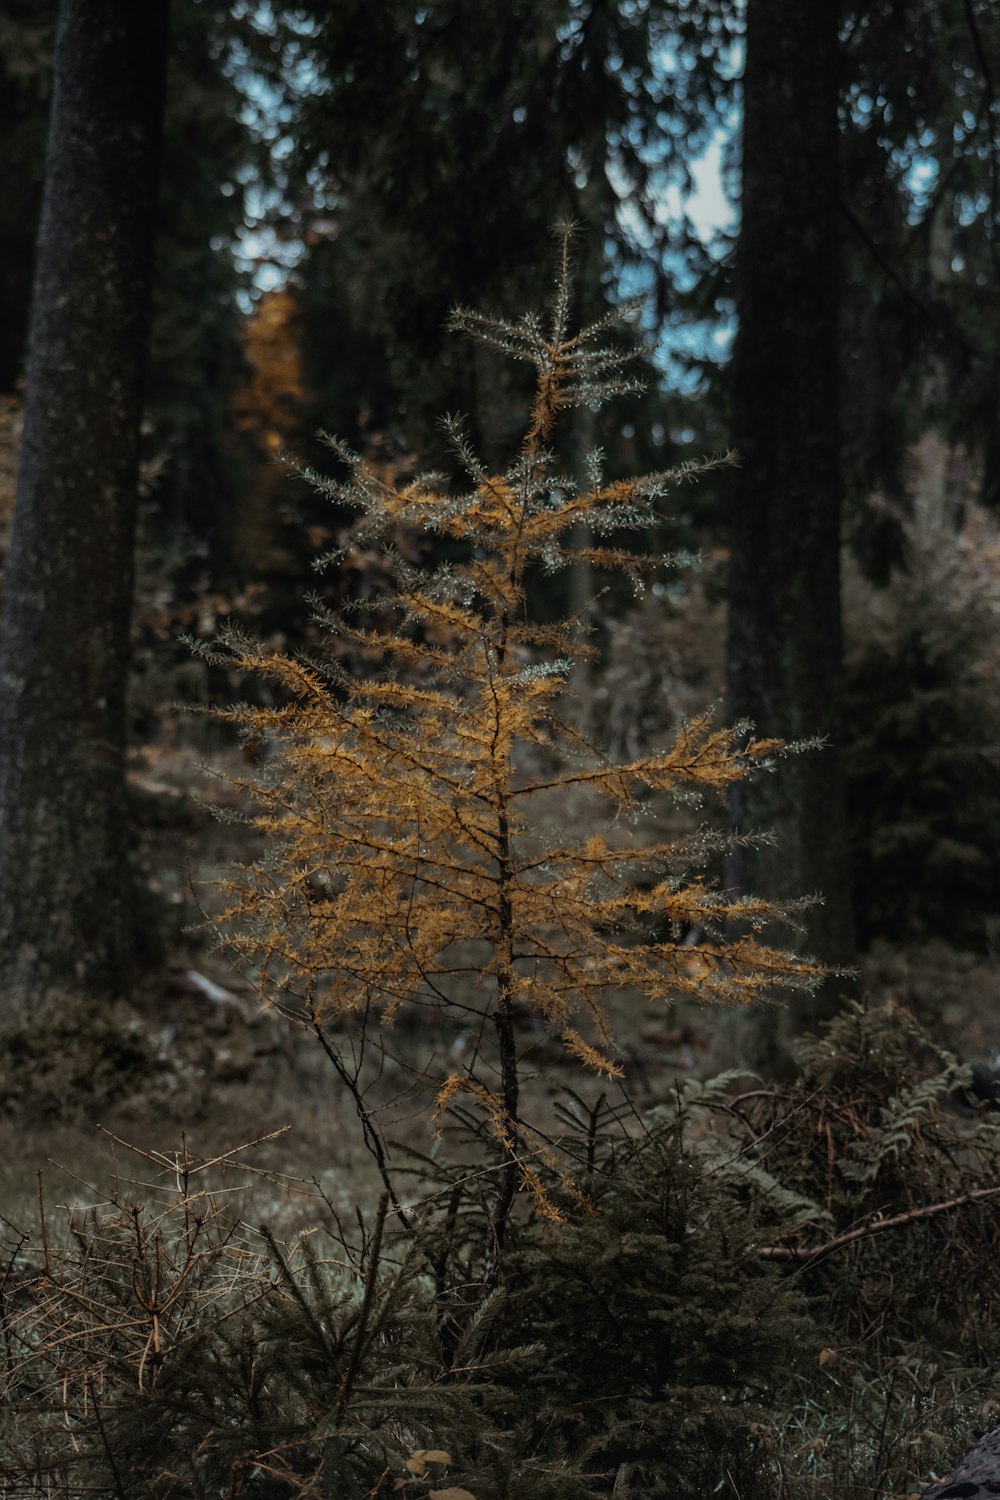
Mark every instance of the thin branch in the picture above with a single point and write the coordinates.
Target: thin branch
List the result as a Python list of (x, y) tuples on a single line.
[(806, 1254), (929, 313), (371, 1132), (120, 1491)]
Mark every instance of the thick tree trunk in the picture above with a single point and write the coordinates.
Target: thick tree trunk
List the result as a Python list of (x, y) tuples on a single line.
[(784, 639), (64, 921)]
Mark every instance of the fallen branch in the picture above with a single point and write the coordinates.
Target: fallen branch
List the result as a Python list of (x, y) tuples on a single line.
[(877, 1226)]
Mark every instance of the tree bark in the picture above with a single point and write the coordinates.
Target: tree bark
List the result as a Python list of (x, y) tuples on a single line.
[(784, 590), (64, 646)]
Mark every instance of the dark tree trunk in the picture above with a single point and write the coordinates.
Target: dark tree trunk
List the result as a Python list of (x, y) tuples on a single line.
[(64, 918), (784, 639)]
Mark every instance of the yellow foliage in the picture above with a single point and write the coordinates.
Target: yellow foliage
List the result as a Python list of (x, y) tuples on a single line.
[(268, 403), (404, 862)]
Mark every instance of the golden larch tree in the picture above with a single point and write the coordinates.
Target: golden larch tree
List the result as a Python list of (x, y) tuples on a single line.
[(405, 861)]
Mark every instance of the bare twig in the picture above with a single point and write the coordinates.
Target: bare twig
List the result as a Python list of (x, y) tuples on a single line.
[(370, 1131), (109, 1451), (808, 1253), (932, 315), (181, 1160)]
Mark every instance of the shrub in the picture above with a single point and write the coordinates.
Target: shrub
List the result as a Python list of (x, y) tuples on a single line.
[(665, 1341), (773, 1293), (897, 1253), (165, 1349)]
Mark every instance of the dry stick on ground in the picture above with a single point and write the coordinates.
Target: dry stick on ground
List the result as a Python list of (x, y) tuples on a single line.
[(809, 1253)]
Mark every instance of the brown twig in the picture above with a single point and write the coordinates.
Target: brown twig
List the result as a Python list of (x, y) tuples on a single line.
[(182, 1161), (808, 1253), (370, 1131), (120, 1491)]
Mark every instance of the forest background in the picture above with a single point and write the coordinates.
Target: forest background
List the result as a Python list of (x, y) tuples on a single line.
[(331, 187)]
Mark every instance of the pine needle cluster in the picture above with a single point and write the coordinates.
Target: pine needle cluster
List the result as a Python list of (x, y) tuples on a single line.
[(406, 862)]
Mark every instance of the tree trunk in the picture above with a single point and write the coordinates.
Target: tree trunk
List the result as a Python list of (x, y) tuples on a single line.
[(784, 635), (64, 910)]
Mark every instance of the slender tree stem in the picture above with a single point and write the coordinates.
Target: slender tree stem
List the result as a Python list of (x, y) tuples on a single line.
[(506, 1180), (810, 1253)]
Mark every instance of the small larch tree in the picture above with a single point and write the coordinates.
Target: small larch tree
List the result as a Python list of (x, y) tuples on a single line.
[(405, 858)]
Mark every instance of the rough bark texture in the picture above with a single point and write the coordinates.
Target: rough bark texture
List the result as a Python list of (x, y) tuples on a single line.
[(976, 1476), (784, 643), (64, 922)]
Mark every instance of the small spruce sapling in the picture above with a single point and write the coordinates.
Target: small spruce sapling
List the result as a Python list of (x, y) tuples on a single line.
[(405, 861)]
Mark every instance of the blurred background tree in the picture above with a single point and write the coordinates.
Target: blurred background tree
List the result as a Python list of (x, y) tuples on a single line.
[(784, 524), (920, 200), (65, 927)]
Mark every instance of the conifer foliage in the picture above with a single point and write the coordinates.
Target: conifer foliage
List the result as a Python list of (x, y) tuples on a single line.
[(406, 860)]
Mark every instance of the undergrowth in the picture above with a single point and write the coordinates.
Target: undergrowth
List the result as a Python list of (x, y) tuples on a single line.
[(781, 1292)]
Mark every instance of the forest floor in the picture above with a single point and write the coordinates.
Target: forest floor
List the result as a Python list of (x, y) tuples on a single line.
[(199, 1064)]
